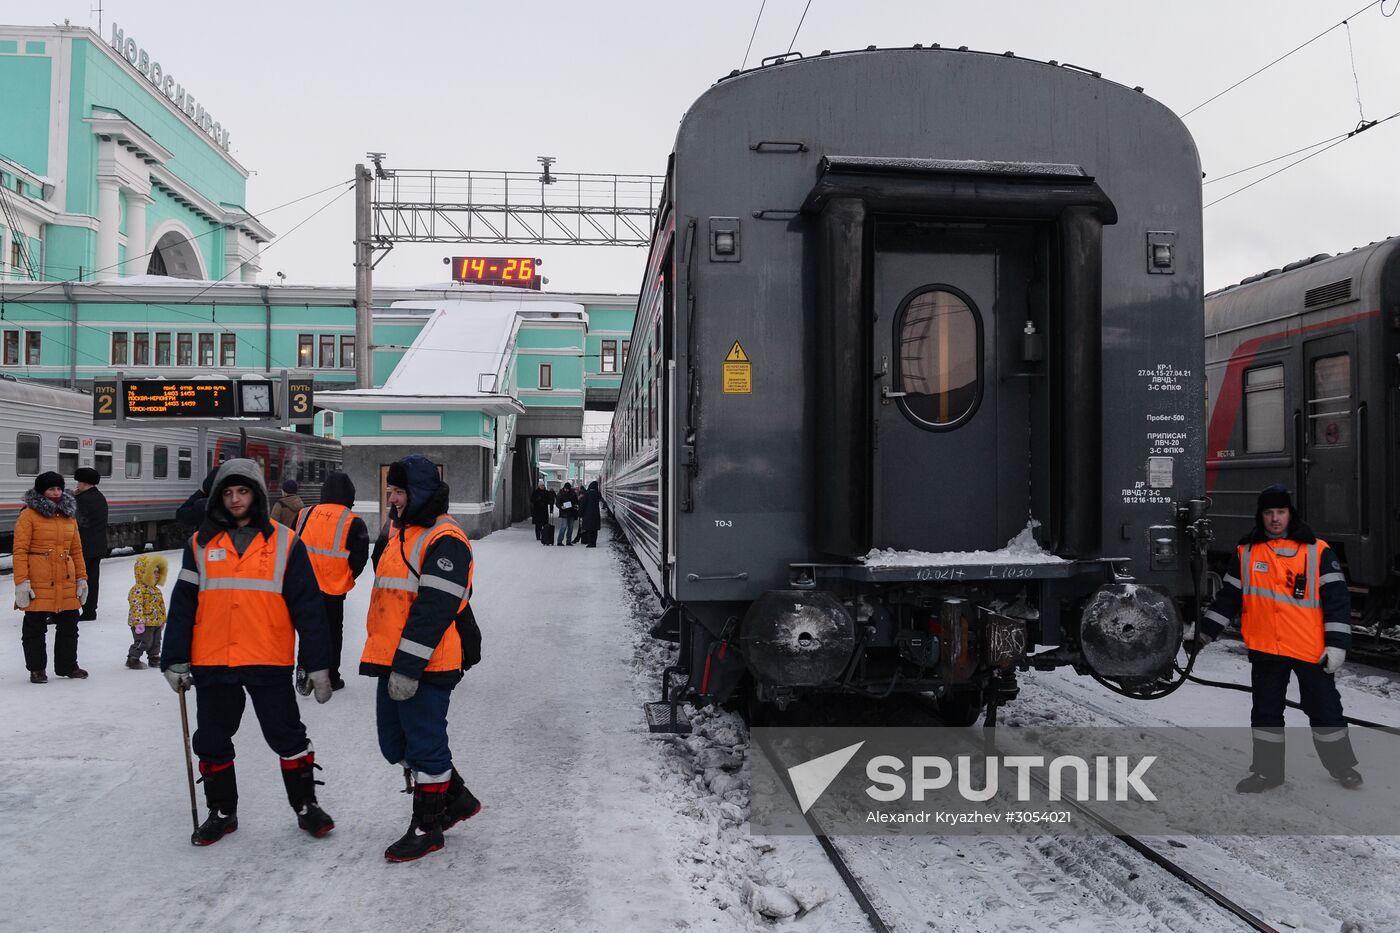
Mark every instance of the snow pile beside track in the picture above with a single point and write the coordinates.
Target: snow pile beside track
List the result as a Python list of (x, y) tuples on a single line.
[(1021, 549)]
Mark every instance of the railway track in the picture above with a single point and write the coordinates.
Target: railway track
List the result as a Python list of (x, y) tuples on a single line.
[(868, 896)]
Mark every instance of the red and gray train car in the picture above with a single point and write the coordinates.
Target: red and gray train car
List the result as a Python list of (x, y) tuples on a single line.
[(1304, 385), (901, 305)]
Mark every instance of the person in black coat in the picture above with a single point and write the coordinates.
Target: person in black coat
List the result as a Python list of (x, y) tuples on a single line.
[(541, 504), (191, 513), (92, 529), (592, 514)]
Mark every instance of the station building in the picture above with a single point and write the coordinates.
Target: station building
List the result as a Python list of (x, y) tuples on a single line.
[(125, 247), (110, 166)]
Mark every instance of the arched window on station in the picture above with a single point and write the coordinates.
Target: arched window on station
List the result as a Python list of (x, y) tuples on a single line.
[(938, 333), (175, 256)]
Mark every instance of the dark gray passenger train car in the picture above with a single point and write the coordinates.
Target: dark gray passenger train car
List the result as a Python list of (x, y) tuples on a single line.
[(1303, 391), (900, 306)]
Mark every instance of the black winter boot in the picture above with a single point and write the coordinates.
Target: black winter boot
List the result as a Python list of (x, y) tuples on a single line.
[(299, 776), (425, 829), (461, 805), (221, 794)]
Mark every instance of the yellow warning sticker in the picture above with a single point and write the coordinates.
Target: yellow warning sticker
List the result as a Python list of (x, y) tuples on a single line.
[(738, 372)]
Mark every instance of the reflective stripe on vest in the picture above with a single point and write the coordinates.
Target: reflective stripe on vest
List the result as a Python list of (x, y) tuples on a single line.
[(241, 618), (330, 558), (396, 585), (1273, 619)]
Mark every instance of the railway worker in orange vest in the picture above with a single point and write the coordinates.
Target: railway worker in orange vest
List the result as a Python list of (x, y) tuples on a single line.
[(422, 583), (338, 543), (245, 593), (1288, 589)]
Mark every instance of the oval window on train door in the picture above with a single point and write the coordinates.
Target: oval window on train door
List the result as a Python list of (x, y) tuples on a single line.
[(938, 361)]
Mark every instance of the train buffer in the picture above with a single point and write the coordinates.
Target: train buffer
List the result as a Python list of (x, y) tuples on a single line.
[(666, 714)]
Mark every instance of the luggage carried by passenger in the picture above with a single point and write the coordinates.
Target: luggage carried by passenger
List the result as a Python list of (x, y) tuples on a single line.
[(547, 534)]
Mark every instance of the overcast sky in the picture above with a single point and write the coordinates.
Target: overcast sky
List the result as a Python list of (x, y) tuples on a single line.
[(307, 87)]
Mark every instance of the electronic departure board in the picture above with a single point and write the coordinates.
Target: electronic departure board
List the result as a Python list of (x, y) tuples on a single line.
[(497, 270), (194, 398)]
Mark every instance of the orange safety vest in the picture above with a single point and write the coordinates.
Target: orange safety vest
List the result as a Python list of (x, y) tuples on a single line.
[(396, 587), (325, 530), (1279, 616), (241, 619)]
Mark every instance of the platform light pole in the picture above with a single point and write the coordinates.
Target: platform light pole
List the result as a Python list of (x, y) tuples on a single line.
[(364, 292)]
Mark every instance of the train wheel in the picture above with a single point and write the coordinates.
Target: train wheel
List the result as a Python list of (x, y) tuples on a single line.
[(959, 708)]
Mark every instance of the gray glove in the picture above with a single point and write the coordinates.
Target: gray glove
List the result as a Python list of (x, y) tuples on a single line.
[(82, 591), (317, 682), (1190, 633), (401, 686), (24, 594), (178, 676), (1332, 659)]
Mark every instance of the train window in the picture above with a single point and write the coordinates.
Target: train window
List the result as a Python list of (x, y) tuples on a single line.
[(225, 455), (183, 462), (609, 356), (938, 357), (1263, 409), (274, 473), (206, 349), (26, 454), (102, 457), (184, 349), (133, 461), (67, 455), (546, 376), (1329, 409), (160, 462)]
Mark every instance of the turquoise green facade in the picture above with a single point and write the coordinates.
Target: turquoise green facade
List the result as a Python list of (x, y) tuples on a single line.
[(111, 173)]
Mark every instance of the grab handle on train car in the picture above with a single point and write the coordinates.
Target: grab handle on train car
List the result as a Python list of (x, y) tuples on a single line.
[(697, 578)]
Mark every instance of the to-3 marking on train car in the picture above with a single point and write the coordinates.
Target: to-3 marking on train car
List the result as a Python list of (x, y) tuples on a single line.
[(738, 372)]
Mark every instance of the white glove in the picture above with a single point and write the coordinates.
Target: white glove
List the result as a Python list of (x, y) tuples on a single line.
[(1190, 634), (401, 686), (1332, 659), (178, 676), (317, 682), (82, 592), (24, 594)]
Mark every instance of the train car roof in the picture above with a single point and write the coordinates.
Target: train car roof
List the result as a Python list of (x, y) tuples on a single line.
[(1317, 281), (22, 392)]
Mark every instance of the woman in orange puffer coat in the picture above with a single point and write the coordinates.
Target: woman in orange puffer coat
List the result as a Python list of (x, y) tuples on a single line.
[(50, 577)]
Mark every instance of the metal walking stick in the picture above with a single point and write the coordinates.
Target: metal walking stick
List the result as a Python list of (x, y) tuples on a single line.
[(189, 760)]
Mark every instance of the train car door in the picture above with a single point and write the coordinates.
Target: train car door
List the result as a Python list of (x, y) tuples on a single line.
[(1330, 492), (950, 434)]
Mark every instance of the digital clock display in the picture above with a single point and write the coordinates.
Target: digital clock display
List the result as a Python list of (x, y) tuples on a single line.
[(178, 399), (518, 271)]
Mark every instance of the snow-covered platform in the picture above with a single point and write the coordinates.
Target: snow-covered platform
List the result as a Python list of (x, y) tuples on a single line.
[(590, 823)]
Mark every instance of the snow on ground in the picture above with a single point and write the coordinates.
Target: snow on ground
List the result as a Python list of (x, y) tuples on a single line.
[(578, 831), (1022, 549), (590, 823)]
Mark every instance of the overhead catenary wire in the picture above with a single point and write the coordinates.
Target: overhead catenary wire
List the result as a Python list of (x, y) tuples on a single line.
[(745, 62), (800, 21), (1255, 74), (1361, 128), (1250, 168)]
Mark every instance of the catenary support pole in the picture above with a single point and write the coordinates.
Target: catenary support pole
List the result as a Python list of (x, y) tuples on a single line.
[(364, 366)]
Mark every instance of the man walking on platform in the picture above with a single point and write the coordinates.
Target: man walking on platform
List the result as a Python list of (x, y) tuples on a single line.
[(1289, 591), (422, 585), (245, 593), (92, 527), (338, 543)]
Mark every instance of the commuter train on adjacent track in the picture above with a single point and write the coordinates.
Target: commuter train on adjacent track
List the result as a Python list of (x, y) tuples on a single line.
[(902, 307), (148, 468), (1305, 391)]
